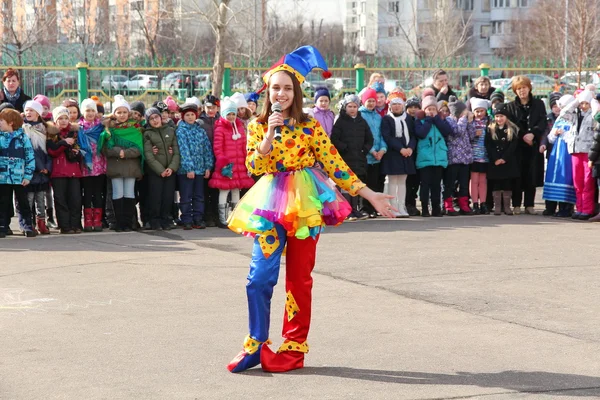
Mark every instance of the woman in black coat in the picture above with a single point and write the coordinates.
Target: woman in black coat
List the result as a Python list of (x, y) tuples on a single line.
[(11, 90), (352, 137), (398, 131), (529, 115)]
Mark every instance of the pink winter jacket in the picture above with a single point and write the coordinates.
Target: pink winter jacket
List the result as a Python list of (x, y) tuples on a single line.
[(229, 150)]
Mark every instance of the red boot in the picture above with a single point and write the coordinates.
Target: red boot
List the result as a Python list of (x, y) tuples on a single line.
[(449, 206), (463, 204), (97, 219), (290, 356), (42, 228), (87, 219)]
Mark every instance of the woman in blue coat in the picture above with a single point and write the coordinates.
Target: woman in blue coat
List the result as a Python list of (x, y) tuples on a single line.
[(398, 131)]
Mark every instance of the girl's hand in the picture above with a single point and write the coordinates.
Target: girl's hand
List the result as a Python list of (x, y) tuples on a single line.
[(122, 154), (44, 171), (25, 182), (207, 174), (154, 150), (528, 138), (380, 201), (171, 150), (590, 164), (70, 141), (191, 175), (559, 132), (275, 120), (169, 171), (478, 132), (542, 149), (469, 116)]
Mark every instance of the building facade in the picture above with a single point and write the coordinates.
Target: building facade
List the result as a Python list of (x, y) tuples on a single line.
[(401, 27)]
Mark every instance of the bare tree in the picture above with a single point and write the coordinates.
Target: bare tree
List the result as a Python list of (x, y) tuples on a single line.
[(549, 24), (22, 34), (85, 23), (445, 34), (154, 20)]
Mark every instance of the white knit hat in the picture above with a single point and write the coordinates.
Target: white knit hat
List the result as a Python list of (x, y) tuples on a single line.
[(35, 106), (565, 100), (88, 104), (120, 102), (586, 95), (59, 112), (479, 103), (193, 100), (239, 100)]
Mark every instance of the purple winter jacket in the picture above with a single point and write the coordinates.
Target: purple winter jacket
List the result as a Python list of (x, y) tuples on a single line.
[(460, 150), (325, 118)]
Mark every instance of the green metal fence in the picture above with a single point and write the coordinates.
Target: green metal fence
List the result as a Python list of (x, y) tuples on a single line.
[(62, 76)]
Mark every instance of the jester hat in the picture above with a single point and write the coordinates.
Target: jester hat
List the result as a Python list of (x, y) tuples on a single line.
[(299, 62)]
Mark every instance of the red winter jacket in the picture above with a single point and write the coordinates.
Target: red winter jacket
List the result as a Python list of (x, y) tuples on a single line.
[(57, 147), (227, 150)]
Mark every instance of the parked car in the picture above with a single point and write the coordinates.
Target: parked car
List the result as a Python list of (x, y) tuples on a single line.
[(55, 81), (586, 78), (178, 80), (499, 83), (113, 82), (542, 85), (141, 82), (204, 82)]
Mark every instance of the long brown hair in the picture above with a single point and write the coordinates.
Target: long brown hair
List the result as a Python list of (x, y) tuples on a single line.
[(511, 130), (296, 112)]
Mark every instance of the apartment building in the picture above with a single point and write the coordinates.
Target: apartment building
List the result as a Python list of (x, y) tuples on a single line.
[(396, 28)]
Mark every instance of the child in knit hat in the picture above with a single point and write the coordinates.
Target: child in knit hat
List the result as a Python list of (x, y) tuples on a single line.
[(35, 128), (375, 180), (321, 111), (229, 147), (432, 154), (45, 102), (352, 137), (93, 167), (460, 157), (479, 167), (122, 144), (381, 106), (63, 147), (252, 100), (243, 112), (496, 97), (173, 109), (138, 110), (197, 161), (413, 105), (398, 131)]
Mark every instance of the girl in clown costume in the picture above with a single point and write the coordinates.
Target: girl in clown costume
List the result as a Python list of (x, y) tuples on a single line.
[(290, 204)]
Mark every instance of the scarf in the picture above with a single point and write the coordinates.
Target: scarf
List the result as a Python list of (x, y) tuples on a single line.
[(87, 137), (36, 131), (401, 127), (12, 98), (126, 135)]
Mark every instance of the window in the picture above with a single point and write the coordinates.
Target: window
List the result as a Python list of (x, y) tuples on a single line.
[(394, 6), (485, 5), (501, 27), (363, 31), (353, 20), (524, 4), (427, 4), (363, 6), (513, 3), (353, 4), (463, 4), (485, 31)]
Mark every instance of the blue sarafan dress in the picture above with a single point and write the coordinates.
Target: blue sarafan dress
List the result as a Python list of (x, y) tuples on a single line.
[(558, 185)]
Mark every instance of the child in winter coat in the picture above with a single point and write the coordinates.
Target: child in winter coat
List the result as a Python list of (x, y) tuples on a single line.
[(17, 164), (162, 168), (501, 142), (398, 131), (35, 128), (381, 105), (173, 109), (480, 159), (375, 180), (123, 145), (63, 147), (352, 137), (321, 111), (252, 100), (432, 154), (211, 196), (594, 157), (93, 169), (243, 112), (74, 112), (579, 147), (229, 147), (197, 161), (558, 183), (46, 107), (547, 147), (460, 158)]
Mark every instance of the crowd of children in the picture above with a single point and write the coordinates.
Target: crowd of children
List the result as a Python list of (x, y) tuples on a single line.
[(185, 164)]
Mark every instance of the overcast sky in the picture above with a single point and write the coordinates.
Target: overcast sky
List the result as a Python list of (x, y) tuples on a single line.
[(329, 10)]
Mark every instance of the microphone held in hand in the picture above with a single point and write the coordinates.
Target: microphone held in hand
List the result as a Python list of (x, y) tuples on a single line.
[(276, 108)]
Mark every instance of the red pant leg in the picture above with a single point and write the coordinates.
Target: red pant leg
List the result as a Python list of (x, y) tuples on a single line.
[(300, 261)]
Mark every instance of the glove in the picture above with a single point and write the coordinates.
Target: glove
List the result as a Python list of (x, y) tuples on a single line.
[(227, 171)]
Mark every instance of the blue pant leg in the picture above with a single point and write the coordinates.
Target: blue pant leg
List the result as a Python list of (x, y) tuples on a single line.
[(262, 277), (198, 198), (186, 186)]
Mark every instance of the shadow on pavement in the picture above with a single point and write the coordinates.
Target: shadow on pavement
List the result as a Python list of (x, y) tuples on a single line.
[(518, 381)]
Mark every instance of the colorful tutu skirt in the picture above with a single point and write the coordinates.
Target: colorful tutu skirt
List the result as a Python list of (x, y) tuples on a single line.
[(301, 201)]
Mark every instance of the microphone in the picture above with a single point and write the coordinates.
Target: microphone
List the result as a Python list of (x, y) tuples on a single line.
[(276, 108)]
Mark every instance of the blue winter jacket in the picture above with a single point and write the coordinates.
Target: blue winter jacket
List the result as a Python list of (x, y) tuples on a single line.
[(431, 147), (374, 120), (194, 148), (17, 161)]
